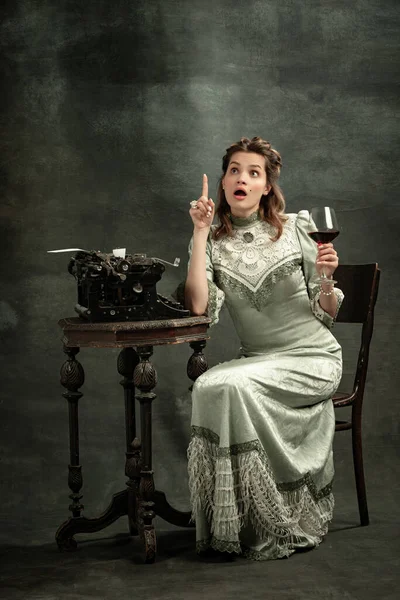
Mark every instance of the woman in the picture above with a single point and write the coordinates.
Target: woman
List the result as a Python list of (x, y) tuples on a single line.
[(260, 457)]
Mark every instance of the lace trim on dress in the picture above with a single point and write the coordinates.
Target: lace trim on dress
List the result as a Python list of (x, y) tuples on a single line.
[(216, 299), (250, 257), (217, 544), (319, 311), (235, 486), (237, 449), (205, 433), (298, 542), (258, 298), (340, 298), (245, 221)]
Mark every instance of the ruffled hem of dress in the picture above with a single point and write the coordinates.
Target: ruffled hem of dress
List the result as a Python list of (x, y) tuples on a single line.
[(235, 488), (246, 552)]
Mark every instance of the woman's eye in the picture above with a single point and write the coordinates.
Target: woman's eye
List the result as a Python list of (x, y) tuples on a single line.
[(234, 170), (254, 173)]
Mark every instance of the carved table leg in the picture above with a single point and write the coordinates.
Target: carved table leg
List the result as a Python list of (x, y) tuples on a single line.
[(72, 378), (127, 361), (197, 363), (145, 379)]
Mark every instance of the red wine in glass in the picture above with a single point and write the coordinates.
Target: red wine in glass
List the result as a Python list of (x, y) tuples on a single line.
[(323, 229), (323, 237)]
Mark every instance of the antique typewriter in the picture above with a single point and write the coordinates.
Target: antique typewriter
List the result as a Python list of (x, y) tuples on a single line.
[(115, 288)]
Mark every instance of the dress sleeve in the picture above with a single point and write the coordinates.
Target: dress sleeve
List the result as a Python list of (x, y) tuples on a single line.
[(216, 296), (309, 252)]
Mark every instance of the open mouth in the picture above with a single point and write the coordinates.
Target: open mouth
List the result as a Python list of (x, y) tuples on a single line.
[(240, 194)]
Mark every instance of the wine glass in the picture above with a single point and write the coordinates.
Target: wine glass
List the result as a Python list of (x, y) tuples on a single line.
[(324, 228)]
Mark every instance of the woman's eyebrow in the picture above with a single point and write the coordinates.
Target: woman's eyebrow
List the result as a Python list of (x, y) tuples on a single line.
[(234, 162)]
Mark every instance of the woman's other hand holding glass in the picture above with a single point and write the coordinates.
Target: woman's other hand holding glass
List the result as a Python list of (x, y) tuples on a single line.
[(327, 260)]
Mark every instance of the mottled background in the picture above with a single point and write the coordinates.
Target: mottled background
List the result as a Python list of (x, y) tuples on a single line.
[(111, 112)]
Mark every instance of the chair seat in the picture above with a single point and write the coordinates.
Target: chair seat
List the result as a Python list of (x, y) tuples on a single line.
[(340, 396), (342, 399)]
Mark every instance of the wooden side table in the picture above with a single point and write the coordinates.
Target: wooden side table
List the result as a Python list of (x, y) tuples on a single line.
[(140, 501)]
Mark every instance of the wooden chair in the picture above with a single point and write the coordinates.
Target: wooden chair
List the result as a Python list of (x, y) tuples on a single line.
[(360, 285)]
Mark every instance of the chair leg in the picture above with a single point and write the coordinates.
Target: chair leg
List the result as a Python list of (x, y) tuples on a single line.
[(359, 472)]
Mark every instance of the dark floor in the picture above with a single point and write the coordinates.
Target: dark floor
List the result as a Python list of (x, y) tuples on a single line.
[(353, 563)]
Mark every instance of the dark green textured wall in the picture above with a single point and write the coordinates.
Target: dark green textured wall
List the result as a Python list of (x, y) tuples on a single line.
[(111, 112)]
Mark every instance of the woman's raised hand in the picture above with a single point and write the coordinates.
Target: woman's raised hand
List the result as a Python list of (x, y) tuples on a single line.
[(202, 213)]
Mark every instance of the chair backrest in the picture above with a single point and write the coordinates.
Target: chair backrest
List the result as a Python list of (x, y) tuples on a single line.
[(360, 284)]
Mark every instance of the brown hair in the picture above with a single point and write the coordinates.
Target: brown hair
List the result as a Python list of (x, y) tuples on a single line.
[(272, 205)]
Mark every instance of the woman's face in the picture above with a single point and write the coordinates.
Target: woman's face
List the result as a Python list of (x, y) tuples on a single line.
[(244, 182)]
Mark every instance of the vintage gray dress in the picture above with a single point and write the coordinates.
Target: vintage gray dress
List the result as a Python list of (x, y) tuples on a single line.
[(260, 457)]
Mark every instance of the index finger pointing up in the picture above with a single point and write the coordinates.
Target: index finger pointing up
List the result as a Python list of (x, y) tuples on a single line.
[(205, 186)]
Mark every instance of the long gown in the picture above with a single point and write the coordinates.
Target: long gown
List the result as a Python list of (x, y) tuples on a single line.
[(260, 457)]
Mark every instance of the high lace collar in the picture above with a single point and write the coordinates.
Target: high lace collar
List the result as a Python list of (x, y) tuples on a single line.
[(245, 221)]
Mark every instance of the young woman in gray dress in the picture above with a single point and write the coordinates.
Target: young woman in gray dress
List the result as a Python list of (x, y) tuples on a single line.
[(260, 456)]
